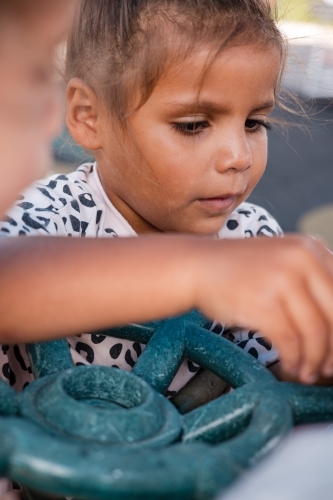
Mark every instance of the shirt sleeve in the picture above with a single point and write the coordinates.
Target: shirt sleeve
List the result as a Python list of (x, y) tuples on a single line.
[(60, 205), (250, 221)]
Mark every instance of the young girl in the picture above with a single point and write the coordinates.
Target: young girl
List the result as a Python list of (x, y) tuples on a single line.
[(173, 98)]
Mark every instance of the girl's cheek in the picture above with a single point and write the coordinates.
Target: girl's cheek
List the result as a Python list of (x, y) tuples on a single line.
[(258, 144)]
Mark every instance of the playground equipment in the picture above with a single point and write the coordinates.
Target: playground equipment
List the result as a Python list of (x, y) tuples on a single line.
[(94, 432)]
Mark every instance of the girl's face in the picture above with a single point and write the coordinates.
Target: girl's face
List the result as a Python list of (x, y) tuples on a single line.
[(196, 149), (29, 102)]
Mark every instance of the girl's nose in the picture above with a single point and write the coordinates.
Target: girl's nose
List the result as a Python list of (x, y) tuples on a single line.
[(234, 154)]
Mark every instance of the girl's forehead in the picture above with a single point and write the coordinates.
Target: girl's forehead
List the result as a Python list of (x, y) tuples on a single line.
[(258, 65), (237, 81), (242, 78), (205, 60)]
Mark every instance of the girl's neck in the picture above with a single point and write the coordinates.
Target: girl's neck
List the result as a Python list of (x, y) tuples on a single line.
[(138, 223)]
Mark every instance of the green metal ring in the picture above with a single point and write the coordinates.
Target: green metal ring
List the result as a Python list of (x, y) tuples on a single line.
[(102, 405), (217, 441)]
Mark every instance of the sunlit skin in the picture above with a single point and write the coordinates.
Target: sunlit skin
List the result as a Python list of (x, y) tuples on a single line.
[(201, 154)]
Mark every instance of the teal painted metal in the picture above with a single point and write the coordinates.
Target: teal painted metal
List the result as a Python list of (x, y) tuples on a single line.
[(99, 433)]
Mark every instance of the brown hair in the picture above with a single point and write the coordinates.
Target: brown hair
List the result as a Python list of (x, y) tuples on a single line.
[(120, 47)]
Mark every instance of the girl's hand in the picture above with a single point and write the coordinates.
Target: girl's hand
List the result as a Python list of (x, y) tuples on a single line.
[(281, 287), (277, 370)]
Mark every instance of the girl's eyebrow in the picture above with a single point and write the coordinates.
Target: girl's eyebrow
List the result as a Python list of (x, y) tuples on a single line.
[(265, 105), (196, 106), (211, 107)]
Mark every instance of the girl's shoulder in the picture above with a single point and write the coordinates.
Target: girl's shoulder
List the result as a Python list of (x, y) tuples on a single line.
[(62, 204), (248, 221), (58, 188)]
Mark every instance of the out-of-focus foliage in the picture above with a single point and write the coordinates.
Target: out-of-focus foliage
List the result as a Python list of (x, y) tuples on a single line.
[(296, 10), (306, 10)]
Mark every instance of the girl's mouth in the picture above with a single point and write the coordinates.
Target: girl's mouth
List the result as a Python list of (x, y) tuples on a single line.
[(219, 203)]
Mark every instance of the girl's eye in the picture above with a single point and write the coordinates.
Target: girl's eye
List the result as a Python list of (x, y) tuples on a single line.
[(191, 128), (257, 125)]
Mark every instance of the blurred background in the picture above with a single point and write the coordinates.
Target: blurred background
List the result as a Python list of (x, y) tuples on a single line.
[(297, 187)]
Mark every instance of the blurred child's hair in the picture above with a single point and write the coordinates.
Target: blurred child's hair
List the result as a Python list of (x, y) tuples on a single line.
[(121, 48)]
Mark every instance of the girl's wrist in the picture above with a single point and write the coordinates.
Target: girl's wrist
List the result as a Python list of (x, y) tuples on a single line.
[(200, 266)]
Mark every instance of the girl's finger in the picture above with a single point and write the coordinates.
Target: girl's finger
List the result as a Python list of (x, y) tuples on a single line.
[(290, 351), (321, 288), (312, 325), (285, 337), (327, 258)]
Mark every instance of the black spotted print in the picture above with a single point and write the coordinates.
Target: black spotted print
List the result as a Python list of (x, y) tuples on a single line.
[(128, 358), (193, 368), (52, 184), (247, 213), (87, 200), (169, 394), (33, 223), (20, 359), (265, 230), (46, 193), (98, 216), (232, 224), (5, 348), (253, 351), (25, 205), (115, 351), (97, 339), (49, 208), (75, 205), (8, 373), (137, 348), (75, 223), (67, 191), (81, 346)]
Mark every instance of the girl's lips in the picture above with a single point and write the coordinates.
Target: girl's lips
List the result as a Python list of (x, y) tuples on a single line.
[(218, 204)]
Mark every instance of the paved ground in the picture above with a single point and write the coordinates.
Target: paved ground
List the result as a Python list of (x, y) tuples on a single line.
[(299, 175)]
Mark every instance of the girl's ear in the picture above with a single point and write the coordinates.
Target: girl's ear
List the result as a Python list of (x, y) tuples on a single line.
[(82, 114)]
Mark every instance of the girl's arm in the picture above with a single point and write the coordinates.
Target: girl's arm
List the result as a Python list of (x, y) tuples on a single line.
[(53, 287)]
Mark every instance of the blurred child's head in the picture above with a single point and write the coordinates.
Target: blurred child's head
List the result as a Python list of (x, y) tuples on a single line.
[(173, 96), (29, 111)]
